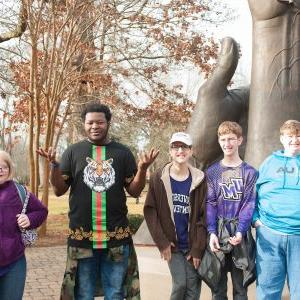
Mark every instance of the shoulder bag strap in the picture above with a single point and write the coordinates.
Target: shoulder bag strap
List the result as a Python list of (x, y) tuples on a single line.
[(24, 196)]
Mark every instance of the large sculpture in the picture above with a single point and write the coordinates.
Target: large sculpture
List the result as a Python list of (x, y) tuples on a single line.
[(274, 90), (216, 104)]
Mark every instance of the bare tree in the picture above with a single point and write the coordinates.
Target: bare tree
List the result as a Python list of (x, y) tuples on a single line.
[(20, 26), (116, 52)]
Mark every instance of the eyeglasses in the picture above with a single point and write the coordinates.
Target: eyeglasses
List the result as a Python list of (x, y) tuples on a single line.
[(229, 140), (183, 147), (4, 168)]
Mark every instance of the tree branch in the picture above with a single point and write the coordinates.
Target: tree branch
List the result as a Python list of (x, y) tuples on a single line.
[(21, 26)]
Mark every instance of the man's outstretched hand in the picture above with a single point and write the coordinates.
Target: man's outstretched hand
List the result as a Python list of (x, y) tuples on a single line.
[(49, 155), (147, 158)]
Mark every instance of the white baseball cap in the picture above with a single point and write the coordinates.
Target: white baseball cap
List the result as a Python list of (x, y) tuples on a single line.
[(181, 137)]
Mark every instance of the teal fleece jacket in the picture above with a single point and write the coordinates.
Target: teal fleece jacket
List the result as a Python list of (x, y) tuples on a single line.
[(278, 193)]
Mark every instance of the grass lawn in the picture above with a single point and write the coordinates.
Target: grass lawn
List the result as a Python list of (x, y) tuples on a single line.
[(60, 205), (57, 222)]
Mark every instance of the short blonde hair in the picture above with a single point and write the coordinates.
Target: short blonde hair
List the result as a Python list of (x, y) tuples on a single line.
[(227, 127), (6, 157), (291, 127)]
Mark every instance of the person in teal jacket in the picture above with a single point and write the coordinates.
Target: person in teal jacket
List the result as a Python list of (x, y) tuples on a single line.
[(277, 218)]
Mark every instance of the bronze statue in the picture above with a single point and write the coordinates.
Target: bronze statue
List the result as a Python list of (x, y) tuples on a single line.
[(274, 90), (216, 104)]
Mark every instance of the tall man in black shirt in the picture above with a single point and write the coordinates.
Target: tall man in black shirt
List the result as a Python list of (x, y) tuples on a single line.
[(97, 170)]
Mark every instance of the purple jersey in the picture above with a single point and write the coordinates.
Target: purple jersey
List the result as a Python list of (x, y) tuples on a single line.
[(231, 194)]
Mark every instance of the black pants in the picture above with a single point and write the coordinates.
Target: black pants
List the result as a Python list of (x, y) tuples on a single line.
[(239, 292)]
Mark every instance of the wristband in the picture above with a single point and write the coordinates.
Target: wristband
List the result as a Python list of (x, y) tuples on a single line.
[(54, 164)]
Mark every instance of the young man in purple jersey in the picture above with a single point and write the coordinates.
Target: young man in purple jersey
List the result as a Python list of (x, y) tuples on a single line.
[(230, 205)]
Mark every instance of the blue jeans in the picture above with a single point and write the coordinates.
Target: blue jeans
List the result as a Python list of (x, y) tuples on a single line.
[(277, 257), (186, 283), (12, 283), (110, 267)]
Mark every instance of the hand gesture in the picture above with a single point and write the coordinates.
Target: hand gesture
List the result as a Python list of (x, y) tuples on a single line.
[(214, 243), (49, 155), (167, 253), (147, 158), (23, 221), (235, 240)]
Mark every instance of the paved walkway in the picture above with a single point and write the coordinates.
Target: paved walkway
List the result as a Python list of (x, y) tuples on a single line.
[(46, 268)]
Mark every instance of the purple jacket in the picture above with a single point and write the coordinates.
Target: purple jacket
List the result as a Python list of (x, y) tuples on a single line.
[(11, 247), (230, 194)]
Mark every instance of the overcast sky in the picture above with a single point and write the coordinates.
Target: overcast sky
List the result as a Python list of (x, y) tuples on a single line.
[(241, 30)]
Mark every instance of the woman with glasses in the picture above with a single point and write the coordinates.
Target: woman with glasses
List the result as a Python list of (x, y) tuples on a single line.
[(12, 256)]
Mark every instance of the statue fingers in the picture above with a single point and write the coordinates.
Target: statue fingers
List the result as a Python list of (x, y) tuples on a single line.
[(226, 66)]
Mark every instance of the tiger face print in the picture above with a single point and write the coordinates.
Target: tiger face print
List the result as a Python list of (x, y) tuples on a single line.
[(99, 176)]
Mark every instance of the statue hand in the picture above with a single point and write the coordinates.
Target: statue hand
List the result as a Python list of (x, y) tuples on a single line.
[(275, 77), (295, 3), (269, 9), (216, 104)]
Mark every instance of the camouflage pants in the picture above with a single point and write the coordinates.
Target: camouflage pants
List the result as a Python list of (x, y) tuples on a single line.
[(131, 282)]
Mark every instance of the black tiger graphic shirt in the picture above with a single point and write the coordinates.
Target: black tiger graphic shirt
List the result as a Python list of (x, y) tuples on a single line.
[(97, 176)]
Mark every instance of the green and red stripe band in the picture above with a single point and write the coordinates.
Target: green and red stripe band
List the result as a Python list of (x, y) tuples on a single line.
[(99, 206)]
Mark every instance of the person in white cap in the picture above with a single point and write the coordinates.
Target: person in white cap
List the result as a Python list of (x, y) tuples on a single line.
[(175, 214)]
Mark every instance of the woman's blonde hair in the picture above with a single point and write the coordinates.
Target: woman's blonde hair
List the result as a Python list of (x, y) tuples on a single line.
[(6, 157)]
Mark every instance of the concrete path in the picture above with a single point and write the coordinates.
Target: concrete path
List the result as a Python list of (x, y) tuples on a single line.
[(46, 267)]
